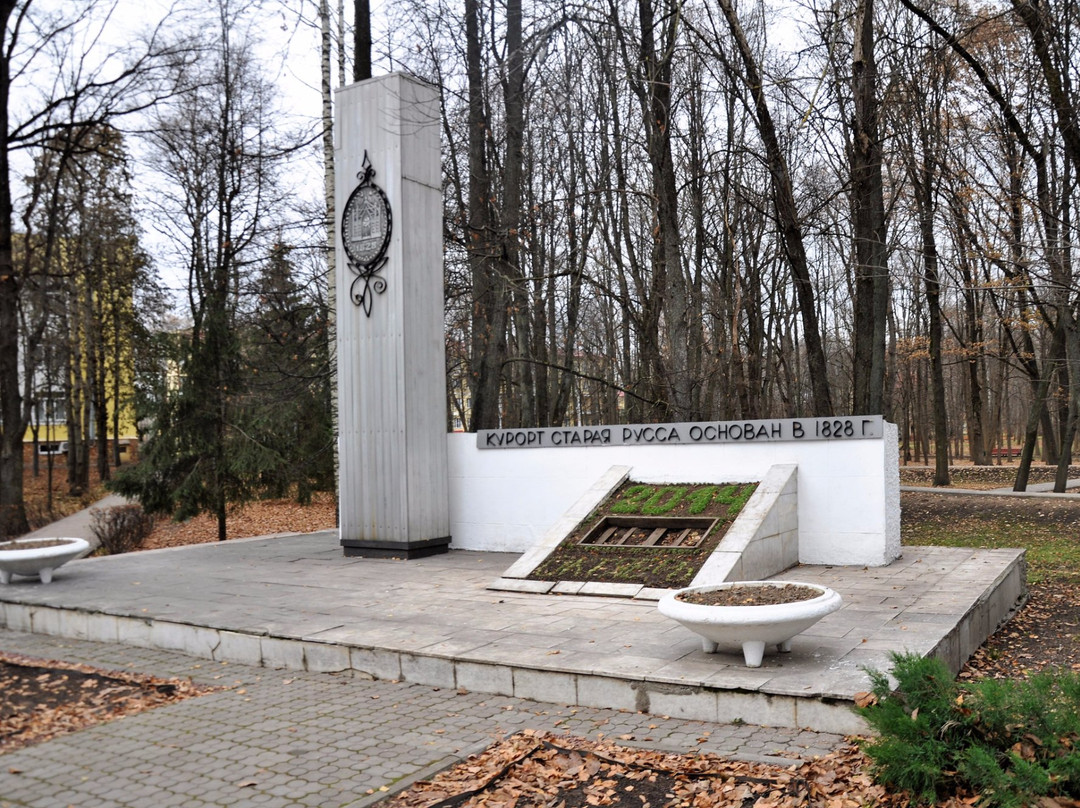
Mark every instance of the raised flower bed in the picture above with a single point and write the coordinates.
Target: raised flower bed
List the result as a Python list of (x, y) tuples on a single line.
[(749, 614), (30, 557)]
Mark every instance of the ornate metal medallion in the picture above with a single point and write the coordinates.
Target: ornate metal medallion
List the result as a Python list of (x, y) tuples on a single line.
[(366, 225)]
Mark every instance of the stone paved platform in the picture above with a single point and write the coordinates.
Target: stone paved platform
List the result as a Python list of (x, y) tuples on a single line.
[(287, 738), (295, 602)]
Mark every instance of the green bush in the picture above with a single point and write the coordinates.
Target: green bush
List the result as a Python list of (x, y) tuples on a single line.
[(1009, 741)]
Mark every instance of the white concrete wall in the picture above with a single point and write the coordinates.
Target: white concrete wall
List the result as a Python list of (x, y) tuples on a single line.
[(848, 490)]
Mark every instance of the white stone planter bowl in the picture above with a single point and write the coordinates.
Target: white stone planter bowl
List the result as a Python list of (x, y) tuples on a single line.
[(40, 561), (749, 627)]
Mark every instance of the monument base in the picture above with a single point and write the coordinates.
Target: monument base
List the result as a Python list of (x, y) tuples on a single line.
[(373, 548)]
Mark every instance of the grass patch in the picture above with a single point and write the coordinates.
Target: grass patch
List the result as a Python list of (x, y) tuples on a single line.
[(1047, 529), (661, 567)]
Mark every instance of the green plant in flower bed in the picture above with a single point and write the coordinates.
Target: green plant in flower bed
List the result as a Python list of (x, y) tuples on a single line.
[(734, 496), (703, 497), (633, 499), (672, 569), (1012, 742), (661, 567), (657, 505), (662, 500)]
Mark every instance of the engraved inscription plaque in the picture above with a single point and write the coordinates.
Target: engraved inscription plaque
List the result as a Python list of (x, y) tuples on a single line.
[(366, 226)]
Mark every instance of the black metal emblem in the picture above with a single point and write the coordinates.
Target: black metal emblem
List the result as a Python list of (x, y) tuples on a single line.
[(366, 224)]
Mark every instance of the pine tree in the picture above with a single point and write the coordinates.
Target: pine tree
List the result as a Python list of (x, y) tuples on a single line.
[(290, 380), (213, 147)]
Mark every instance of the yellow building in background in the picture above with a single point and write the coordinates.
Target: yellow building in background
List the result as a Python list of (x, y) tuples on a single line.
[(81, 260), (88, 343), (48, 427)]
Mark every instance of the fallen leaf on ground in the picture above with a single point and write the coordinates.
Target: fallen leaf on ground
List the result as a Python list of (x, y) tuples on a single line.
[(41, 698)]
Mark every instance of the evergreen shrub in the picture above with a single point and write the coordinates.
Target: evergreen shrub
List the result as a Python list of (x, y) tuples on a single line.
[(1012, 742)]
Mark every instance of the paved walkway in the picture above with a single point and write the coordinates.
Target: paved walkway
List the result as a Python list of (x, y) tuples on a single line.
[(1034, 491), (286, 738), (80, 524), (348, 676), (1039, 488), (296, 602)]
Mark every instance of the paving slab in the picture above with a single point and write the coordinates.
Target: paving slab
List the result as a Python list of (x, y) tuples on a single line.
[(297, 738), (427, 619)]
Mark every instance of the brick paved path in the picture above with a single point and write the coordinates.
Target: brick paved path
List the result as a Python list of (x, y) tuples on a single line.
[(288, 738)]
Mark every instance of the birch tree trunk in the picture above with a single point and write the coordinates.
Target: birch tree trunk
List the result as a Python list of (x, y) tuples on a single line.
[(329, 189)]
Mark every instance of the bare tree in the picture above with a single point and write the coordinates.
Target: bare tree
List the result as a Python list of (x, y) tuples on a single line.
[(868, 202), (786, 212), (86, 90), (219, 147)]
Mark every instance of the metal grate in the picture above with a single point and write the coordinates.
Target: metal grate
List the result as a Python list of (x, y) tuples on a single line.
[(658, 532)]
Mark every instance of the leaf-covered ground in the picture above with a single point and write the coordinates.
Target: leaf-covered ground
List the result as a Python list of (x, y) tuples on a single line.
[(1045, 633), (531, 769), (41, 509), (262, 518), (40, 699)]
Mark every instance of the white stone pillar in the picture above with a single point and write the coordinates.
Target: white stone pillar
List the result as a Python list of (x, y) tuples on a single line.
[(390, 346)]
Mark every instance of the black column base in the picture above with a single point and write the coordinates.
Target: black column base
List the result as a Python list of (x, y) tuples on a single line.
[(372, 548)]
